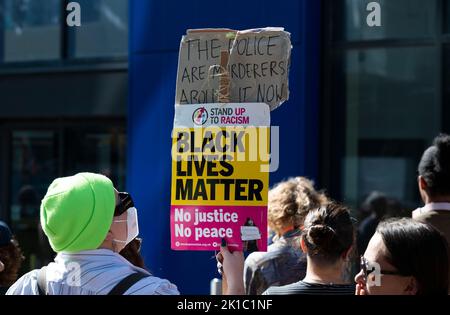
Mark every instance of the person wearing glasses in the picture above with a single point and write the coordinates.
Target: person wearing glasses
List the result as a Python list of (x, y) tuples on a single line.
[(404, 257), (88, 223)]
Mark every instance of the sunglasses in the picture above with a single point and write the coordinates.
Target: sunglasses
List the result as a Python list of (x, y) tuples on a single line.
[(368, 268), (125, 202)]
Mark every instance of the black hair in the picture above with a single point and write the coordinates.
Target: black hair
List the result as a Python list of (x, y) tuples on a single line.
[(419, 250), (434, 166), (328, 233), (377, 203), (12, 257)]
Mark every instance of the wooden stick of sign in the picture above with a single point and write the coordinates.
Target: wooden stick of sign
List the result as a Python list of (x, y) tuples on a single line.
[(224, 97), (224, 84)]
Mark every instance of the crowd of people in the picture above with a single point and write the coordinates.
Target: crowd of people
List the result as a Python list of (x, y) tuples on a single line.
[(316, 247)]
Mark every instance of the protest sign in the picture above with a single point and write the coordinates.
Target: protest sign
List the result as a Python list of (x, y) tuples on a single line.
[(258, 66), (218, 188)]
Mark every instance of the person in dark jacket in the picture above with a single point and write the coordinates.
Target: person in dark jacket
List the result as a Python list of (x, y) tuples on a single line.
[(434, 186), (11, 258)]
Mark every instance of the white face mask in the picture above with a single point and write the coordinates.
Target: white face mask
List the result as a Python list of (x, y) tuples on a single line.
[(132, 226)]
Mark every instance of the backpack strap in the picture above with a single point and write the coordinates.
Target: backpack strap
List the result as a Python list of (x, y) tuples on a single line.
[(42, 281), (127, 282)]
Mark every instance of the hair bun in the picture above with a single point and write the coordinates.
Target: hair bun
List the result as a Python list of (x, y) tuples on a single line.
[(442, 143), (328, 233), (321, 235), (434, 167)]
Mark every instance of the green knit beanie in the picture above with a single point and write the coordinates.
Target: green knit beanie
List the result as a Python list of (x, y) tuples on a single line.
[(77, 212)]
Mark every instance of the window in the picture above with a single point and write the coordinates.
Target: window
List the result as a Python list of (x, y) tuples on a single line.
[(36, 31), (104, 30), (97, 151), (446, 100), (447, 16), (387, 93), (34, 166), (391, 112), (400, 19), (41, 152), (30, 30)]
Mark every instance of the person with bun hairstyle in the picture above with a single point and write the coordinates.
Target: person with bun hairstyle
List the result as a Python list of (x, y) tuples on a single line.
[(327, 239), (434, 186), (284, 262)]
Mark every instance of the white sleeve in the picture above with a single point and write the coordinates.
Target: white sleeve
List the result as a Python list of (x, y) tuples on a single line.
[(26, 285), (167, 288), (153, 286)]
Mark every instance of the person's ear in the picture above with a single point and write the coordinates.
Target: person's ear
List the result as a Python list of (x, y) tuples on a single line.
[(423, 188), (422, 183), (303, 245), (411, 286), (347, 253), (2, 266), (109, 236)]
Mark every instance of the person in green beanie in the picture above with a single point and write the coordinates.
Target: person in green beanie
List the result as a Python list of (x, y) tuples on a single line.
[(88, 223)]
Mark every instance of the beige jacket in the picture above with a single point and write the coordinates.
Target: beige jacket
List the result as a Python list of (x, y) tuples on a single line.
[(437, 215)]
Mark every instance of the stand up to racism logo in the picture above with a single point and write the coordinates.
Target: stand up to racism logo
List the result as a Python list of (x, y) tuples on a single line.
[(200, 116)]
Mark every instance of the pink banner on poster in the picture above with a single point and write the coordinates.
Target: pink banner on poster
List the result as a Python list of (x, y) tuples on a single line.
[(203, 227)]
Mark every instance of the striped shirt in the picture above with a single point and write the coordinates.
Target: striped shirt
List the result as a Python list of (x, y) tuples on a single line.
[(305, 288), (93, 272)]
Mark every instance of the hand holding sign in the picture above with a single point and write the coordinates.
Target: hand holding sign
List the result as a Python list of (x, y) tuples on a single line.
[(233, 270)]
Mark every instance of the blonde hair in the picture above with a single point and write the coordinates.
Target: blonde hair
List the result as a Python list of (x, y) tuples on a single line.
[(290, 201)]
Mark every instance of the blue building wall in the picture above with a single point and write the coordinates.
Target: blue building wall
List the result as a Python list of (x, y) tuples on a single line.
[(156, 28)]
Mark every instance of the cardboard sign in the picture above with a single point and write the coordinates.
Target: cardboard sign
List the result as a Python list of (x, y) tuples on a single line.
[(258, 66), (218, 188)]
